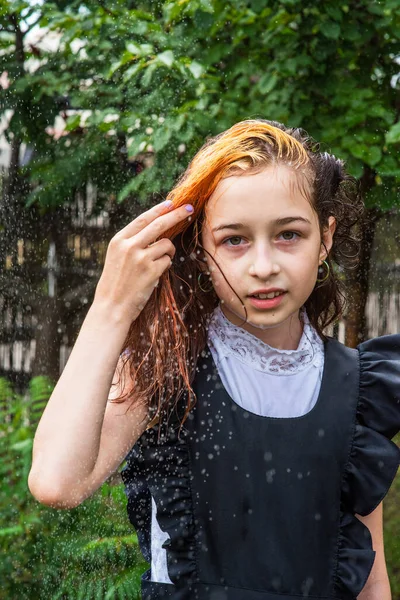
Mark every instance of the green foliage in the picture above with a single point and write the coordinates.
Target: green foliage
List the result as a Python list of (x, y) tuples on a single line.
[(89, 552), (391, 532), (169, 74)]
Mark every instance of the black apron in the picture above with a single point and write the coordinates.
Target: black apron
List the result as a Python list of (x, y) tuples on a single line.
[(257, 508)]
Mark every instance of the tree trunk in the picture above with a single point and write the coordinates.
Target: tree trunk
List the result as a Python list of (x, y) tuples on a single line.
[(358, 283), (47, 354)]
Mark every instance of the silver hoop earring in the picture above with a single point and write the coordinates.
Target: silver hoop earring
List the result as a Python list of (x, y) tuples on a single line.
[(321, 272)]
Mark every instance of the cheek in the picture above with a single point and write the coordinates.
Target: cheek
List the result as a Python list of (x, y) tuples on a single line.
[(310, 253), (302, 266), (225, 260)]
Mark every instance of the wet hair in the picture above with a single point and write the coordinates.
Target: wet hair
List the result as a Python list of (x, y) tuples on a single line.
[(163, 344)]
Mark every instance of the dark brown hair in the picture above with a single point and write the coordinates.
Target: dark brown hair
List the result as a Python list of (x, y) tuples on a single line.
[(164, 342)]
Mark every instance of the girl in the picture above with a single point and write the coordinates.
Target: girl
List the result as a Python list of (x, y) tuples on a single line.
[(258, 448)]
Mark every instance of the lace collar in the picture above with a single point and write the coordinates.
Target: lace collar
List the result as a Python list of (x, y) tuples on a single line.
[(227, 338)]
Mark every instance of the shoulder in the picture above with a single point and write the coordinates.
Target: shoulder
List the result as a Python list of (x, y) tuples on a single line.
[(380, 383), (386, 347), (378, 360)]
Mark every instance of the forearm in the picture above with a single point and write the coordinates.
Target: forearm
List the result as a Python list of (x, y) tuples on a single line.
[(379, 590), (67, 439)]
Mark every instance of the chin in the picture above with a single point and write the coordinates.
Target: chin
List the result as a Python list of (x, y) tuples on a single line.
[(263, 325), (256, 318), (269, 319)]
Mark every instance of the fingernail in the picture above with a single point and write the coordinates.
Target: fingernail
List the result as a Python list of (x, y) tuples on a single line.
[(167, 203), (189, 207)]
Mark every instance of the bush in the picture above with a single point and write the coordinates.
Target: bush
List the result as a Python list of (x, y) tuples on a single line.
[(88, 552)]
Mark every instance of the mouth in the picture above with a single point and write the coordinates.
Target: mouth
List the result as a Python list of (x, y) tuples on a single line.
[(272, 300), (268, 296)]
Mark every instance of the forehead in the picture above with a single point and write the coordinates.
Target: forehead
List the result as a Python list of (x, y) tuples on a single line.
[(274, 191)]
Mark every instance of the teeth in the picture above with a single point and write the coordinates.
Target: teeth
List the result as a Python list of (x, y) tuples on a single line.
[(271, 295)]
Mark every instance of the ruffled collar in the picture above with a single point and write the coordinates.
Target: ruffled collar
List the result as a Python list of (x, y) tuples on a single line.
[(227, 338)]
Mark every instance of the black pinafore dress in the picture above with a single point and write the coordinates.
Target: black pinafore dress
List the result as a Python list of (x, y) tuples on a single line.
[(263, 508)]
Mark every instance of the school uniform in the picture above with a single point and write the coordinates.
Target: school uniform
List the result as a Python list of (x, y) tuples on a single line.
[(256, 498)]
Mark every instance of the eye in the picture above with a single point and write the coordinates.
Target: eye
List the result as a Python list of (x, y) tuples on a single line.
[(290, 233), (235, 237)]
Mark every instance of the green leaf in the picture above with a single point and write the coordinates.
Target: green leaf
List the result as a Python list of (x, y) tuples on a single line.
[(267, 83), (393, 135), (171, 11), (177, 122), (11, 531), (203, 20), (132, 71), (133, 48), (334, 12), (196, 69), (161, 138), (22, 445), (389, 166), (374, 156), (139, 49), (330, 29), (355, 167), (207, 5), (126, 57), (167, 58), (148, 74), (132, 185), (371, 155), (73, 122)]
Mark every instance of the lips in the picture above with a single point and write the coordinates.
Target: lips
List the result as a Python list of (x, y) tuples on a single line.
[(266, 303), (274, 292)]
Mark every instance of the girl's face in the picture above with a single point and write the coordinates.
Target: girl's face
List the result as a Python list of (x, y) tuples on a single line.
[(263, 233)]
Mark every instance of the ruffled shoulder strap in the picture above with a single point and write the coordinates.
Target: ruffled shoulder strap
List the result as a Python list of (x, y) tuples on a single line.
[(374, 458), (380, 384)]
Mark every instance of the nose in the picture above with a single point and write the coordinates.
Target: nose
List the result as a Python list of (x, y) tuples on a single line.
[(263, 262)]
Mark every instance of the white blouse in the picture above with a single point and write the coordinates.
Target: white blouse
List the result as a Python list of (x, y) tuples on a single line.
[(264, 380)]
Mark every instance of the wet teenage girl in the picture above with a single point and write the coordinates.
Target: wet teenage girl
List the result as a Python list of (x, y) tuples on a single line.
[(258, 449)]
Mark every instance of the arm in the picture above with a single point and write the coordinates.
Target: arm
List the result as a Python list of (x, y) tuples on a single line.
[(377, 586), (81, 438)]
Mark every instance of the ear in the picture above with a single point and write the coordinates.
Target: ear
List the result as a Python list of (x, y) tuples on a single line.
[(327, 238)]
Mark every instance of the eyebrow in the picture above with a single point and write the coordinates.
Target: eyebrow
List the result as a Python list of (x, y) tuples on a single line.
[(281, 221)]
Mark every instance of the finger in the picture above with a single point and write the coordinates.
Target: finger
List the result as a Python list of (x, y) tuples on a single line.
[(159, 225), (161, 248), (144, 219)]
